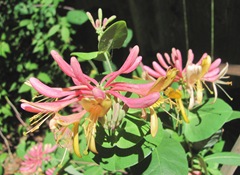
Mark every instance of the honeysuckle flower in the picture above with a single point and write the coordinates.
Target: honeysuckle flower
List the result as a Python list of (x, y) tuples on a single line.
[(35, 158), (193, 75), (95, 98)]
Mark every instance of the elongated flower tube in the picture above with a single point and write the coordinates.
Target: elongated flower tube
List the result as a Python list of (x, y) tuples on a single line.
[(94, 98)]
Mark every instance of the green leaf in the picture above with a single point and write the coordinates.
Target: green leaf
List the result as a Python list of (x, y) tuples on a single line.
[(235, 115), (113, 37), (77, 17), (24, 88), (117, 155), (65, 34), (206, 120), (228, 158), (71, 170), (168, 158), (21, 149), (84, 56), (129, 37), (24, 22), (49, 138), (31, 66), (4, 49), (54, 29), (94, 170), (3, 156), (44, 77)]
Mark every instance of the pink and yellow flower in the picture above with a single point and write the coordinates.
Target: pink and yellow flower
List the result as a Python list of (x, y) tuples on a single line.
[(95, 98), (193, 75)]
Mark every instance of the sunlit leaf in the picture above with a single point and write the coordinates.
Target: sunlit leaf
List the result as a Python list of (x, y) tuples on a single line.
[(168, 158), (206, 120), (228, 158), (71, 170)]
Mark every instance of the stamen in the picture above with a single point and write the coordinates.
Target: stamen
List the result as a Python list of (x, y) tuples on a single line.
[(225, 92), (211, 92), (36, 126)]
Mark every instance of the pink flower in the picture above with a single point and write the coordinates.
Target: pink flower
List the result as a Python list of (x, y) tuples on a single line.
[(193, 74), (35, 158), (95, 98)]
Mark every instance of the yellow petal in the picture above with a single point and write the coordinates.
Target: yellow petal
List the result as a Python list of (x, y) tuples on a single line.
[(75, 140), (92, 144), (172, 93), (182, 109), (163, 82), (153, 122), (199, 92), (206, 63)]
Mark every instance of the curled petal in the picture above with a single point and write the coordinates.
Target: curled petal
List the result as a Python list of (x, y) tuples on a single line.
[(80, 76), (48, 91), (66, 68), (129, 65), (142, 102), (37, 107), (130, 59)]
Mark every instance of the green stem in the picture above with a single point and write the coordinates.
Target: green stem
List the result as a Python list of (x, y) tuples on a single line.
[(93, 65), (108, 61)]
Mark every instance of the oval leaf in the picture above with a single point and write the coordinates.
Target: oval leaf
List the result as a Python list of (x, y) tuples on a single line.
[(54, 29), (206, 120), (113, 37), (77, 17), (168, 158), (228, 158)]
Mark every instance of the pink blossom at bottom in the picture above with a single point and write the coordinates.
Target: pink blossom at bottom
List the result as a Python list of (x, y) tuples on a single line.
[(35, 157)]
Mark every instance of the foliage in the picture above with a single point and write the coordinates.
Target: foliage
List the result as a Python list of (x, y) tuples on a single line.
[(169, 135)]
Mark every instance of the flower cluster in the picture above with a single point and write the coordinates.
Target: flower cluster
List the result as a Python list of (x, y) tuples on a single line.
[(94, 98), (193, 75), (35, 158)]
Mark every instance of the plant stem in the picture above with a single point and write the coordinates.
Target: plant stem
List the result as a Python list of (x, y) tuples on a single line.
[(7, 145), (108, 61), (18, 115), (93, 65)]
